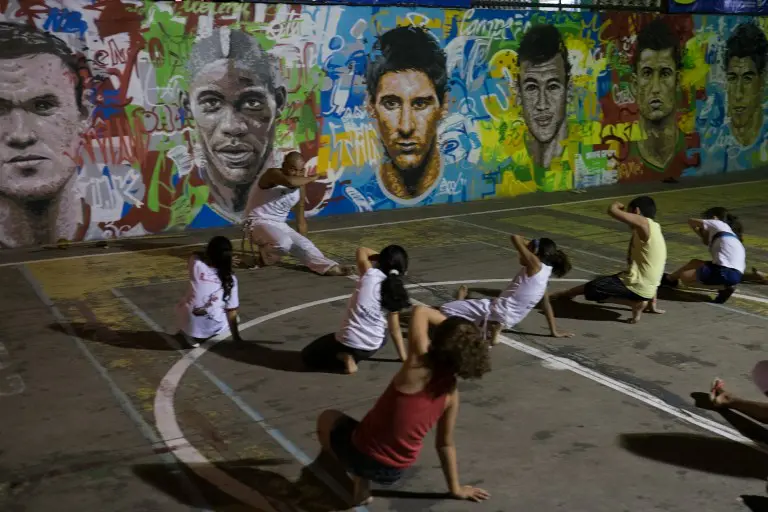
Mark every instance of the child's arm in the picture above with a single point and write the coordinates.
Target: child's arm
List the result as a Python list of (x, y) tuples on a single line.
[(697, 225), (530, 260), (233, 327), (393, 319), (365, 257), (446, 449), (418, 335), (637, 222), (550, 314)]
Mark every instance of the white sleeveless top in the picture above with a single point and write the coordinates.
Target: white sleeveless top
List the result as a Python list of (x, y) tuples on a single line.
[(365, 322), (271, 204), (520, 297)]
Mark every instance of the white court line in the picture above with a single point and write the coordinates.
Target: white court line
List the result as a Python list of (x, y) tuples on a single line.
[(170, 431), (393, 223)]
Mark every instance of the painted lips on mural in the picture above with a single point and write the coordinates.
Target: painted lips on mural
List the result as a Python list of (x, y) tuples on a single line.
[(164, 121)]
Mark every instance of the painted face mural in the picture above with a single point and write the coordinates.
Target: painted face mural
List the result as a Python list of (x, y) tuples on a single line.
[(407, 107), (185, 104), (235, 99), (746, 54), (656, 78), (41, 120)]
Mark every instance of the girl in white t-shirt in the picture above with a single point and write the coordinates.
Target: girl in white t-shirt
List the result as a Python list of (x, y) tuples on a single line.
[(211, 302), (379, 297), (539, 258), (722, 233)]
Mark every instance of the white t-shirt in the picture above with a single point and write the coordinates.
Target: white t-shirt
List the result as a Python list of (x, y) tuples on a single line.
[(205, 291), (520, 297), (271, 204), (365, 322), (727, 251)]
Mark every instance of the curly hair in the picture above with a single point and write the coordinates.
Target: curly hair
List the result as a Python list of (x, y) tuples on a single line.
[(458, 348)]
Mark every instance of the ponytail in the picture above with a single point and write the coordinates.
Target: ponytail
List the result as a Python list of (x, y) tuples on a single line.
[(736, 226), (393, 262), (561, 263), (219, 253), (549, 254)]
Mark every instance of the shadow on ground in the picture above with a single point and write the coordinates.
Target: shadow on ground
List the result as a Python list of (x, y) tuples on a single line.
[(699, 452), (755, 503), (311, 492)]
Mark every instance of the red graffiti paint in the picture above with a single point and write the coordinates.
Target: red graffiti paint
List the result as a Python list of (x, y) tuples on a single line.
[(115, 18)]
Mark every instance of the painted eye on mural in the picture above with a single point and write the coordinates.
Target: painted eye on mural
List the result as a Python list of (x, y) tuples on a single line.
[(44, 105), (421, 103), (210, 104), (554, 86), (667, 72), (390, 102), (253, 103)]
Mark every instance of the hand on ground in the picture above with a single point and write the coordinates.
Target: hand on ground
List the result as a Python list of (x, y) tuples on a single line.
[(563, 334), (718, 395), (470, 493)]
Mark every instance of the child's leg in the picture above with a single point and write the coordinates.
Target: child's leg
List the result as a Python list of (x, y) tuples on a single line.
[(569, 294), (462, 293), (686, 273), (348, 360)]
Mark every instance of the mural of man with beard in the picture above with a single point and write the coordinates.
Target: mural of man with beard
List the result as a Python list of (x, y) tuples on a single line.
[(42, 119), (235, 97)]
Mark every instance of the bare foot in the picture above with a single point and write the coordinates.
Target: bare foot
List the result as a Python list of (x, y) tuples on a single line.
[(718, 395), (760, 276), (637, 312), (654, 308), (462, 292), (350, 366), (494, 329), (339, 271)]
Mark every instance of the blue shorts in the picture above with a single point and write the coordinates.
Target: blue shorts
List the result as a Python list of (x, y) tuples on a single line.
[(712, 274)]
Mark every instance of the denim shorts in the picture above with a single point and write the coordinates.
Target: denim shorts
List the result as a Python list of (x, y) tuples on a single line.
[(356, 462)]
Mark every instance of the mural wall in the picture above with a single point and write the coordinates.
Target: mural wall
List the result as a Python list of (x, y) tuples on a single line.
[(124, 118)]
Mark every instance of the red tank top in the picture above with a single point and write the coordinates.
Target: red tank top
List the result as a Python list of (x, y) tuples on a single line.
[(392, 433)]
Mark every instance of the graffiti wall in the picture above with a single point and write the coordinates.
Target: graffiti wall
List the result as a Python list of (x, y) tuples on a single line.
[(124, 118)]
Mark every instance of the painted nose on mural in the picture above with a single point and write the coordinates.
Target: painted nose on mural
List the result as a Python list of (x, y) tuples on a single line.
[(405, 130), (233, 151), (543, 117)]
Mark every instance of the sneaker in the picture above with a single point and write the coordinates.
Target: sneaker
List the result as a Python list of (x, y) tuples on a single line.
[(724, 294)]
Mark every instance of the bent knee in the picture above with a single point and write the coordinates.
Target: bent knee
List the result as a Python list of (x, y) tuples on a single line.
[(327, 419)]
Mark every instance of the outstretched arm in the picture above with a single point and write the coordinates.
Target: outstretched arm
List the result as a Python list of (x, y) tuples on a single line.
[(637, 222), (396, 332), (446, 449), (550, 314), (530, 260), (274, 177)]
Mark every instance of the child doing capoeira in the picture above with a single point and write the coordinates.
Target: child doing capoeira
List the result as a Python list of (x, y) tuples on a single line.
[(421, 395), (637, 286), (539, 258), (211, 302), (376, 304), (270, 200)]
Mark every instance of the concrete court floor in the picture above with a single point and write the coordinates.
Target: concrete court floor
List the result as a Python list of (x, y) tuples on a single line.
[(598, 428)]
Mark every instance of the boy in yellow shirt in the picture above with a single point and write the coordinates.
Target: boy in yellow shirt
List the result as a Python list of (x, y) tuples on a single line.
[(635, 287)]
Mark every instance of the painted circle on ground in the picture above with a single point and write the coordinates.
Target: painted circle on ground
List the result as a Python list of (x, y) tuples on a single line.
[(168, 425), (173, 437)]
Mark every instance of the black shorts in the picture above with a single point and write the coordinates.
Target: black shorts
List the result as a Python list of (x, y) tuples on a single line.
[(321, 354), (712, 274), (356, 462), (609, 287)]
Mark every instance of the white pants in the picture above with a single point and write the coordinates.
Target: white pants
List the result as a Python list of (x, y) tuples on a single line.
[(278, 239), (476, 311)]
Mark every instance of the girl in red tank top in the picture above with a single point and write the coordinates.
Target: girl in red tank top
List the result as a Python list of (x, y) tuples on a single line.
[(421, 395)]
